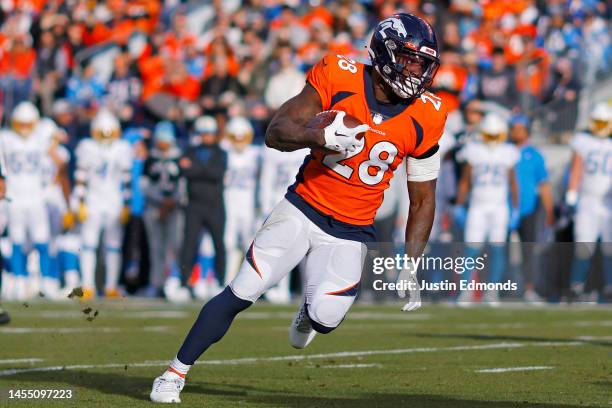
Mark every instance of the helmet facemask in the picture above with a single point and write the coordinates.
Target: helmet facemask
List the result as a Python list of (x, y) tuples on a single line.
[(410, 73)]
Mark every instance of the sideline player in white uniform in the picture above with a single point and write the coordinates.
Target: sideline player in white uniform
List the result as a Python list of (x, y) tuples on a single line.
[(590, 191), (100, 199), (24, 149), (488, 177), (239, 195), (278, 170)]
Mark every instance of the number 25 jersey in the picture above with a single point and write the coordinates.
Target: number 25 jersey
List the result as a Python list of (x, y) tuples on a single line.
[(349, 187)]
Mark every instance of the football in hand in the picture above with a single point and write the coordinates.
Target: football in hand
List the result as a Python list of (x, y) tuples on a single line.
[(325, 118)]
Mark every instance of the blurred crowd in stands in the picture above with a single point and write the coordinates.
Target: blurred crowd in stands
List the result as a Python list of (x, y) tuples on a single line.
[(149, 61)]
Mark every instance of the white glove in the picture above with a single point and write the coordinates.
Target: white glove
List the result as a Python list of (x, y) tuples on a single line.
[(408, 278), (342, 139)]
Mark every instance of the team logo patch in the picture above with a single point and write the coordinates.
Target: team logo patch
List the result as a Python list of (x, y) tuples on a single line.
[(394, 24), (429, 51)]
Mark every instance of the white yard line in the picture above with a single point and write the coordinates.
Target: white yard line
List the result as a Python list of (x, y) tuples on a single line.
[(594, 338), (350, 316), (299, 357), (21, 360), (351, 366), (509, 369), (72, 330)]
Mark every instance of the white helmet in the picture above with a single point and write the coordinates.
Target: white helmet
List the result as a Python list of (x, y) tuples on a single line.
[(493, 128), (24, 118), (601, 120), (205, 124), (240, 131), (105, 126)]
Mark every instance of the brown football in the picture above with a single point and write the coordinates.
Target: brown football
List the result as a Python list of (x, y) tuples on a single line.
[(325, 118)]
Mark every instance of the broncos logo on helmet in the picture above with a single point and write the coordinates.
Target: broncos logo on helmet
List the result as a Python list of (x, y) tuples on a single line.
[(393, 23)]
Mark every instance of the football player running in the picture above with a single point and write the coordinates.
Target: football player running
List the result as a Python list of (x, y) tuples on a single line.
[(590, 192), (327, 214), (100, 199), (487, 177)]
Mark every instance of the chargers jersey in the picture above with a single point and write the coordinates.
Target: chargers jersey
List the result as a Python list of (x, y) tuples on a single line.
[(23, 159), (278, 172), (490, 165), (349, 187), (242, 169), (104, 167), (596, 154)]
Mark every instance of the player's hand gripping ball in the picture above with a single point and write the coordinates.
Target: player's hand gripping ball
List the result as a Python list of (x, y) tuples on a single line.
[(343, 132)]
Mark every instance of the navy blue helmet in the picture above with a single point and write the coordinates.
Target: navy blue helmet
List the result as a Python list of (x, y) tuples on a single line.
[(404, 51)]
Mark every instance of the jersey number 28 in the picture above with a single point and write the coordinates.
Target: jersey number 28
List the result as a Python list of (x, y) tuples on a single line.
[(371, 171)]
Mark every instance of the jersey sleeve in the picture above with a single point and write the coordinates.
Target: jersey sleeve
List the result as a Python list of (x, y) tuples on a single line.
[(541, 173), (83, 153), (319, 78), (429, 128), (63, 154), (126, 156), (465, 154), (578, 143), (513, 155)]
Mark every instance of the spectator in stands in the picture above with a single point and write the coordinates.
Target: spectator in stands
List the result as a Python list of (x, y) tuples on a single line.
[(17, 64), (562, 96), (220, 88), (124, 89), (288, 80), (534, 192), (498, 83), (51, 68)]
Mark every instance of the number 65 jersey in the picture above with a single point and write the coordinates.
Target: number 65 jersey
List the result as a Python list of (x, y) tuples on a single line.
[(349, 187)]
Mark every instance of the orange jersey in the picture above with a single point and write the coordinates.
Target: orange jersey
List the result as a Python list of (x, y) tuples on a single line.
[(350, 187)]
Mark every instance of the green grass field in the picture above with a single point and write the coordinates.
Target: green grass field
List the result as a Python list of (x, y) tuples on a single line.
[(379, 357)]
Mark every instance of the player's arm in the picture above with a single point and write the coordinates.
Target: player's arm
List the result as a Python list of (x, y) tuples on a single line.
[(420, 215), (576, 168), (77, 201), (513, 188), (548, 202), (287, 132), (2, 186), (422, 174)]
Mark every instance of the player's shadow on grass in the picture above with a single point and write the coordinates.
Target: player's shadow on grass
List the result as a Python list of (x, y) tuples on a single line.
[(499, 337), (138, 388)]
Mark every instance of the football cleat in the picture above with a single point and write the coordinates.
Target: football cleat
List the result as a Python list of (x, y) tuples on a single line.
[(301, 332), (200, 290), (20, 288), (50, 288), (112, 293), (167, 388), (88, 294), (465, 298), (491, 298), (175, 292)]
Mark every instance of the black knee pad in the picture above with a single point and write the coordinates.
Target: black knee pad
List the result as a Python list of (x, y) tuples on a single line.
[(318, 327)]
